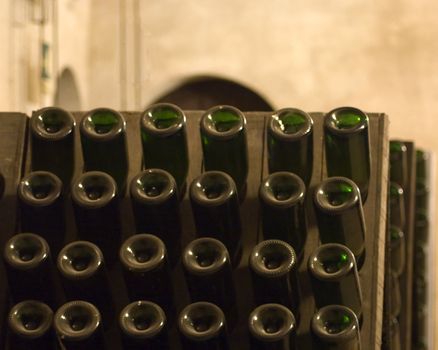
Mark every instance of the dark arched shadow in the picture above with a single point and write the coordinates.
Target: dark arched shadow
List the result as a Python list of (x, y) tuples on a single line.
[(201, 93), (67, 93)]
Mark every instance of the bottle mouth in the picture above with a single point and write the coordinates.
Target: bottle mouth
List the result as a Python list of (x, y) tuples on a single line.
[(102, 123), (142, 253), (201, 321), (153, 186), (40, 188), (162, 119), (142, 319), (52, 123), (346, 120), (331, 261), (79, 260), (205, 256), (290, 124), (94, 189), (395, 192), (25, 251), (336, 194), (271, 322), (212, 188), (396, 235), (223, 122), (421, 219), (282, 189), (272, 258), (335, 323), (397, 149), (77, 320), (30, 319)]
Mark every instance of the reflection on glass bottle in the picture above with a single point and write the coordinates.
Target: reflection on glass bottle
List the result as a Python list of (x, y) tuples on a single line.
[(347, 146), (340, 215), (398, 163), (397, 214), (103, 138), (164, 140), (290, 143), (224, 144), (283, 215), (52, 133)]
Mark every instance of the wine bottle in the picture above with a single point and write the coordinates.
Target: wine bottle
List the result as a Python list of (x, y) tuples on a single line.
[(164, 140), (84, 276), (272, 327), (202, 326), (283, 215), (422, 194), (347, 146), (397, 213), (215, 207), (144, 326), (103, 138), (52, 134), (398, 250), (290, 143), (42, 207), (224, 144), (155, 204), (146, 270), (207, 268), (96, 208), (396, 301), (30, 326), (398, 163), (272, 264), (78, 325), (421, 227), (335, 280), (395, 335), (29, 268), (340, 215), (335, 327)]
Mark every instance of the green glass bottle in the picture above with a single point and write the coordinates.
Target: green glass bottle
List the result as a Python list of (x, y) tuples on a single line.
[(397, 214), (335, 327), (52, 133), (290, 143), (422, 159), (398, 250), (335, 280), (422, 194), (283, 215), (398, 163), (340, 215), (272, 327), (164, 140), (347, 146), (396, 299), (421, 227), (224, 144), (103, 138)]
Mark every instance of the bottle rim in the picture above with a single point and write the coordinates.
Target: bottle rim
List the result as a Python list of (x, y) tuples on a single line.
[(319, 324), (91, 255), (323, 203), (86, 125), (329, 251), (138, 192), (198, 188), (156, 316), (38, 129), (151, 246), (187, 321), (16, 320), (32, 244), (104, 180), (297, 189), (198, 246), (147, 123), (27, 184), (266, 312), (208, 126), (74, 310), (258, 260), (276, 127), (330, 121)]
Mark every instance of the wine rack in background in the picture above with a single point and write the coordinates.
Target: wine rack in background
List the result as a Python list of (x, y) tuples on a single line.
[(16, 162)]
